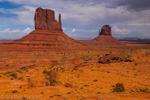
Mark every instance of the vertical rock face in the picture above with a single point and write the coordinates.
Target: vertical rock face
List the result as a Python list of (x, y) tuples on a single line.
[(45, 20), (106, 30)]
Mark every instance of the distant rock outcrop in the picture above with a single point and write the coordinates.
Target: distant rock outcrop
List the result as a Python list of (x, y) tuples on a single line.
[(105, 30), (105, 37), (48, 32)]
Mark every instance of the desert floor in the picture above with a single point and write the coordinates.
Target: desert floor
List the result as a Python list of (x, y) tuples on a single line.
[(76, 74)]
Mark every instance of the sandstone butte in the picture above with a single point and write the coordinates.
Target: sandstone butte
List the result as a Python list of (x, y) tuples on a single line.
[(105, 37), (48, 33)]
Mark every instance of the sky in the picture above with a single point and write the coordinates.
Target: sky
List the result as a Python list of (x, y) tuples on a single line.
[(80, 18)]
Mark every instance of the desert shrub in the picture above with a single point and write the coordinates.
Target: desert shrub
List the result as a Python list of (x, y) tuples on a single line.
[(146, 90), (136, 64), (7, 65), (62, 69), (42, 92), (45, 71), (119, 87), (68, 85), (51, 96), (75, 68), (14, 75), (46, 83), (69, 93), (95, 80), (7, 73), (21, 78), (82, 87), (19, 71), (108, 71), (11, 73), (28, 80), (14, 91), (51, 76)]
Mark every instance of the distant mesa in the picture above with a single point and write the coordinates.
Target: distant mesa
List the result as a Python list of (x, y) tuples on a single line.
[(48, 32), (105, 37)]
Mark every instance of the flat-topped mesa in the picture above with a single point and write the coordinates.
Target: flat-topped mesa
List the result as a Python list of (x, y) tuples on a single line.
[(105, 30), (45, 20)]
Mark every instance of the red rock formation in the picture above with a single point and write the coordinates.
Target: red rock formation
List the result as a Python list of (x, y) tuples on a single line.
[(105, 37), (48, 32), (45, 20), (106, 30)]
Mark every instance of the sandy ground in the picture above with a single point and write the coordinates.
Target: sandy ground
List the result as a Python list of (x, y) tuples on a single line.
[(79, 76)]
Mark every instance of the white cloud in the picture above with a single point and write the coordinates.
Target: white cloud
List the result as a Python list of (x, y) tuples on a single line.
[(25, 16), (63, 28), (73, 30), (27, 30), (72, 35), (7, 30), (14, 33), (116, 30)]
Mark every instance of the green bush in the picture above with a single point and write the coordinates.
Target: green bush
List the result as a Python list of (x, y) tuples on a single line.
[(119, 87)]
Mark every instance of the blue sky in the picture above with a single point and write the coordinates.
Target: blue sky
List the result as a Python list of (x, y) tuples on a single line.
[(80, 18)]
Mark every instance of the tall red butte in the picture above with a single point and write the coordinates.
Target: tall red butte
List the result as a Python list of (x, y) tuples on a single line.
[(48, 32), (105, 37)]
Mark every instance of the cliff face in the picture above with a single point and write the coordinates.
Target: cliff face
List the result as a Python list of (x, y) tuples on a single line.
[(106, 30), (45, 20)]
